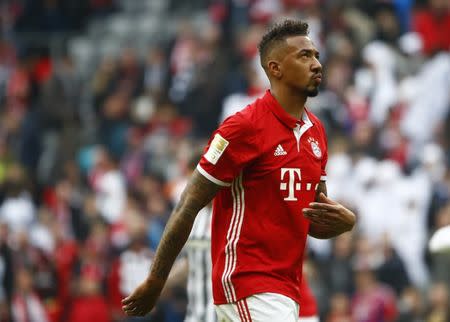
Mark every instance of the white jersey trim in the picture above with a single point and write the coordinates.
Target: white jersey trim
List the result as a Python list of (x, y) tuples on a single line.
[(323, 178), (211, 178), (233, 235)]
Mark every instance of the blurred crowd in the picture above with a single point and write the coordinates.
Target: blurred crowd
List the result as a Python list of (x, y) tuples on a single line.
[(91, 163)]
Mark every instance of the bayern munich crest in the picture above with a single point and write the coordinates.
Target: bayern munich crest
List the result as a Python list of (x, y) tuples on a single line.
[(315, 147)]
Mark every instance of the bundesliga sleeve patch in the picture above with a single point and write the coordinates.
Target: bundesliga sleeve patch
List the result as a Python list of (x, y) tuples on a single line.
[(216, 149)]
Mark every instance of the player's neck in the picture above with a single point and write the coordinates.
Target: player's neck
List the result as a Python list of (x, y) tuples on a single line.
[(292, 103)]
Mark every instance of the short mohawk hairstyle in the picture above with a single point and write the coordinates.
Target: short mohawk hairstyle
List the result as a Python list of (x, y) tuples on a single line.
[(279, 32)]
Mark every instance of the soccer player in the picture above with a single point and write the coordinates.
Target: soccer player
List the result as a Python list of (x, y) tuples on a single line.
[(265, 169)]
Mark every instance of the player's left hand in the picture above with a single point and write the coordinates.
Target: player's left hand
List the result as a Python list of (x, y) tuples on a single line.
[(329, 213)]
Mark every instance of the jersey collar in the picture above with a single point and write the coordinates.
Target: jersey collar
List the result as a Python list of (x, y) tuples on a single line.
[(282, 115)]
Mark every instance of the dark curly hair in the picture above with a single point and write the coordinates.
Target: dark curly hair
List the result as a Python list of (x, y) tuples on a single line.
[(278, 33)]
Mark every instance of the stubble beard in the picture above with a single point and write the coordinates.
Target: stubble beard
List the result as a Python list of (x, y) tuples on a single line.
[(312, 92)]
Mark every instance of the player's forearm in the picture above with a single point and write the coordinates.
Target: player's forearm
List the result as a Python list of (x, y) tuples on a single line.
[(321, 232), (328, 218), (173, 239), (317, 231), (197, 195)]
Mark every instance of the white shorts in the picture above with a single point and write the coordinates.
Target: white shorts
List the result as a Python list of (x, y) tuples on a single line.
[(264, 307), (309, 319)]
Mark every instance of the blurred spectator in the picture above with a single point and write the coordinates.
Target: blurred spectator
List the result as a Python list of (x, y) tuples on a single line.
[(113, 125), (134, 161), (45, 282), (339, 271), (129, 269), (5, 159), (433, 23), (438, 297), (372, 301), (181, 62), (130, 73), (411, 308), (417, 92), (26, 305), (109, 185), (40, 233), (60, 101), (17, 208), (199, 67), (387, 24), (339, 309), (103, 80), (158, 213), (6, 273), (89, 302), (66, 208), (440, 258), (65, 256), (156, 72), (392, 271), (239, 99), (431, 174), (92, 260)]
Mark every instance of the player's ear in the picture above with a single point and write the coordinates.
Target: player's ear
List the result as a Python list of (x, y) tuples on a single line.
[(274, 68)]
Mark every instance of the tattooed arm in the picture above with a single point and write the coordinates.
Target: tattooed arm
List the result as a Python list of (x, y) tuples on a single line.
[(328, 218), (198, 193)]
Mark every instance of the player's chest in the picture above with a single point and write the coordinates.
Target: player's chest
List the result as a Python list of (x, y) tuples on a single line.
[(292, 154)]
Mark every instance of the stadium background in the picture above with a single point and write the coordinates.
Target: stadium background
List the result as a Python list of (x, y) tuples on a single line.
[(103, 103)]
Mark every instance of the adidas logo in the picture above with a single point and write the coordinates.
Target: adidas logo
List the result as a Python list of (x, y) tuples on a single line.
[(279, 151)]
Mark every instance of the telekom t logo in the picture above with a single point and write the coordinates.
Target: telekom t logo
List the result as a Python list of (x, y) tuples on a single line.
[(291, 185)]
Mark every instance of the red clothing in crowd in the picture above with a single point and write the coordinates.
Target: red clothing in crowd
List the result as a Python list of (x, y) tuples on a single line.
[(66, 253), (377, 305), (89, 308), (433, 30)]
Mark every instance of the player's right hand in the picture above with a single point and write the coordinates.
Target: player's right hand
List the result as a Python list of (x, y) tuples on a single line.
[(331, 214), (143, 299)]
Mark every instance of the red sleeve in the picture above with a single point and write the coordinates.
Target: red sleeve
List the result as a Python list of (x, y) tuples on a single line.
[(230, 149)]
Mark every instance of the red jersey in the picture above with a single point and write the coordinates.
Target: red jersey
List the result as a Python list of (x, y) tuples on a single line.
[(270, 165)]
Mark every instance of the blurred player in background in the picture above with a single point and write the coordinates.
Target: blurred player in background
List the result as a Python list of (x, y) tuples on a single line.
[(264, 167)]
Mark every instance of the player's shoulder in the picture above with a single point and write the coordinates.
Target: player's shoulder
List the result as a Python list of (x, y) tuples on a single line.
[(249, 117)]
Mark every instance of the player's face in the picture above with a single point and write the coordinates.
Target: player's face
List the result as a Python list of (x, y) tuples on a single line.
[(300, 66)]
